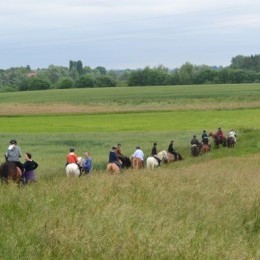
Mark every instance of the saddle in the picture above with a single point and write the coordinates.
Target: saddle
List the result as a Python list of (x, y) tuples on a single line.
[(157, 158)]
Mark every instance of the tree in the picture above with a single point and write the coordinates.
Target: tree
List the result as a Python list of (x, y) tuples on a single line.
[(36, 83), (101, 70), (85, 81), (186, 73), (205, 76), (79, 67), (105, 81), (65, 83), (76, 66)]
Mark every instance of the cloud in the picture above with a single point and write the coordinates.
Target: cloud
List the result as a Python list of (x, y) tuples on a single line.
[(110, 32)]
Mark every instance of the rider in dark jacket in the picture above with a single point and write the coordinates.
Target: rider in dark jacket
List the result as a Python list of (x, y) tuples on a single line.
[(195, 141), (113, 157), (154, 153), (204, 137)]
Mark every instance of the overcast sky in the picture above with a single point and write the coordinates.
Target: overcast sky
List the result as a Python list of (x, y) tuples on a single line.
[(120, 34)]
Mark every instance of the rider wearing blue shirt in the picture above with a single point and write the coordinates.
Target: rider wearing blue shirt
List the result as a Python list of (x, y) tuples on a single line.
[(87, 165)]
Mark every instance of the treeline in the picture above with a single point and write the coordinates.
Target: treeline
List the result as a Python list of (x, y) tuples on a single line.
[(243, 69)]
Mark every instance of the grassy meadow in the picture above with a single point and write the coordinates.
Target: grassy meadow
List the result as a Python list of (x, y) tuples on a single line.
[(199, 208)]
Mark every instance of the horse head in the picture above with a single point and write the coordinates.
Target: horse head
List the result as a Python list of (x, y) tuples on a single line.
[(80, 161), (212, 134)]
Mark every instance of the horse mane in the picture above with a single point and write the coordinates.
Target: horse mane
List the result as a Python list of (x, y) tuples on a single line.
[(163, 155)]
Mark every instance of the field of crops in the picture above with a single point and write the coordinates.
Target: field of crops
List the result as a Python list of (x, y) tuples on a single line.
[(205, 207)]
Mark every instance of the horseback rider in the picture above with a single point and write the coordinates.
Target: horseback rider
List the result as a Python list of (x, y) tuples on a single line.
[(125, 161), (233, 134), (138, 154), (172, 150), (119, 151), (87, 165), (72, 157), (29, 166), (205, 137), (113, 158), (195, 141), (14, 154), (220, 134), (154, 153)]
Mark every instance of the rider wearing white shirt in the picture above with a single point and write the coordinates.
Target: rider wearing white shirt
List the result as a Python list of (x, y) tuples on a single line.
[(138, 153), (233, 134)]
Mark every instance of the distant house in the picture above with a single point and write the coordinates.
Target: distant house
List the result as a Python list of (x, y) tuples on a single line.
[(31, 74)]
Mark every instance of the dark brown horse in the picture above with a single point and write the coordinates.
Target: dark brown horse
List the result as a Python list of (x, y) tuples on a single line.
[(195, 150), (126, 162), (217, 140), (10, 172)]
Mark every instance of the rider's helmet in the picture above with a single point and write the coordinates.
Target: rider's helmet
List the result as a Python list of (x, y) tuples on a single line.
[(13, 141), (72, 149)]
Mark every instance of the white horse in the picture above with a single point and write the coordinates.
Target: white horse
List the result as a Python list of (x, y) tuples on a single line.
[(151, 162), (72, 169)]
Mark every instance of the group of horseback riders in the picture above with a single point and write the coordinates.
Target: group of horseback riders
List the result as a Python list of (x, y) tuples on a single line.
[(25, 170), (122, 161), (218, 136), (72, 157)]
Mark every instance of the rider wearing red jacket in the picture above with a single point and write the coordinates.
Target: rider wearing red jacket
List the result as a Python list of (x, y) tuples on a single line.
[(72, 157), (220, 133)]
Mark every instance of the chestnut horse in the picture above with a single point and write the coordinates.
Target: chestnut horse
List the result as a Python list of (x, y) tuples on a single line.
[(113, 168), (137, 163), (172, 157), (205, 148), (10, 172)]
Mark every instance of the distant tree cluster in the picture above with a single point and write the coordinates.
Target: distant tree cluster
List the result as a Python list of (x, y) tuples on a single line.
[(243, 69)]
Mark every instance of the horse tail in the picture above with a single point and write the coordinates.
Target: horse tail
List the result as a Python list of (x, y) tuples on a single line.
[(137, 163), (127, 162), (149, 163), (112, 168), (5, 171)]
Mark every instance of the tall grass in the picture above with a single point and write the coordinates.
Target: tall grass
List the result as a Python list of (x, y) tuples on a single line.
[(205, 210)]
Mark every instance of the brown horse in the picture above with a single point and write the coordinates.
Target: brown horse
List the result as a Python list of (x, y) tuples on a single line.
[(205, 148), (137, 163), (195, 150), (112, 168), (10, 172), (172, 157)]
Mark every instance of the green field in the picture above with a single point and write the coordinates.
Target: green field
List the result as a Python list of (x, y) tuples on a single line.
[(134, 95), (200, 208), (148, 121)]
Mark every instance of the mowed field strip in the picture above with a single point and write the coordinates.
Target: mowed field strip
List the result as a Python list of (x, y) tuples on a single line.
[(142, 121), (131, 109)]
